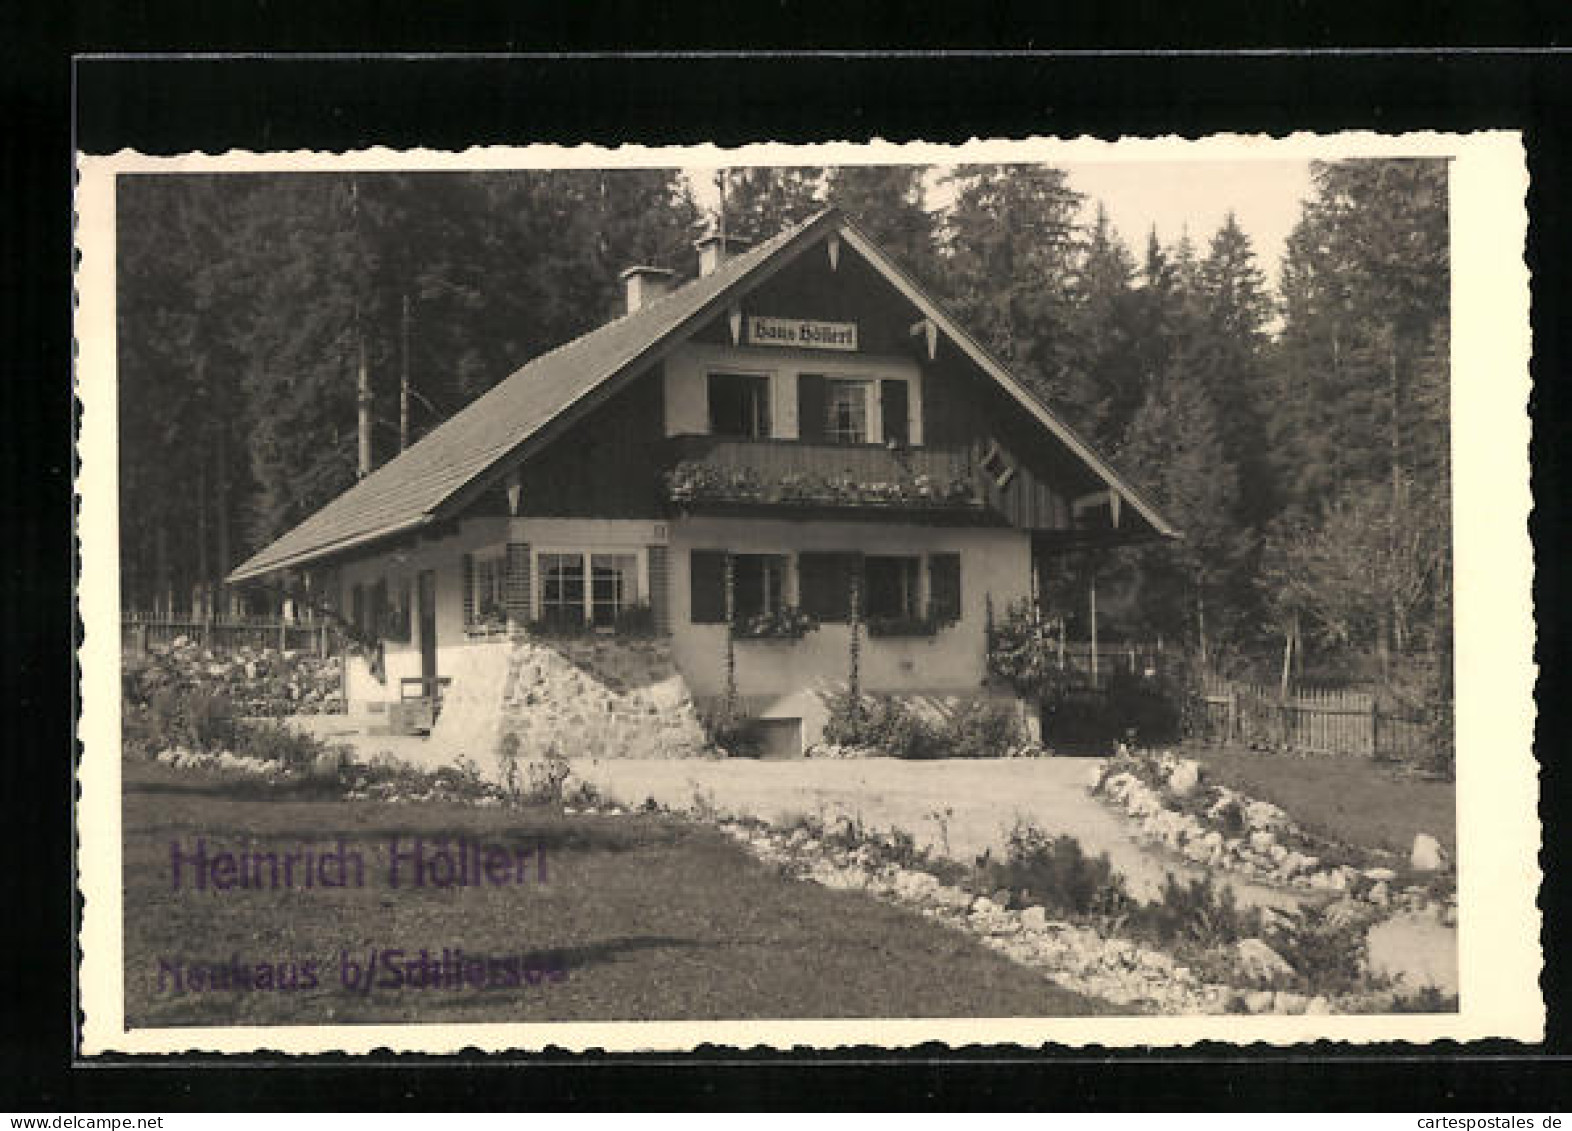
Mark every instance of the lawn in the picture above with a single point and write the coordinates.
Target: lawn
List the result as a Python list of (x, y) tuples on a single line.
[(639, 917), (1352, 800)]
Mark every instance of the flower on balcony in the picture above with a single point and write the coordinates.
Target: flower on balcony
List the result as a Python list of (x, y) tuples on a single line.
[(699, 481), (785, 623), (694, 480)]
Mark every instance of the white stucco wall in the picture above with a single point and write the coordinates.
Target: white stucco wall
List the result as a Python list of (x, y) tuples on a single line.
[(771, 673), (687, 384), (445, 556)]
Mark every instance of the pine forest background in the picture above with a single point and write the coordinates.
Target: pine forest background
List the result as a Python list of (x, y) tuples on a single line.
[(1298, 437)]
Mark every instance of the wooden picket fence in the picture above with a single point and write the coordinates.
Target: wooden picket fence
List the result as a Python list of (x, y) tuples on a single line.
[(141, 631), (1338, 721)]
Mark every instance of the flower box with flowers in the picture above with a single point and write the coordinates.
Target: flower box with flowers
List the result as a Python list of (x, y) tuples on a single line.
[(697, 481), (785, 623), (489, 620), (928, 625)]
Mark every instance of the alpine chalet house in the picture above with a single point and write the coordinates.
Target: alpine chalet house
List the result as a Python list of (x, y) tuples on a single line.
[(703, 501)]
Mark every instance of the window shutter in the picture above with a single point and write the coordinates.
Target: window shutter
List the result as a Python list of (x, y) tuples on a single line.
[(707, 586), (517, 583), (824, 584), (469, 589), (810, 406), (379, 606), (894, 406), (944, 587), (660, 596)]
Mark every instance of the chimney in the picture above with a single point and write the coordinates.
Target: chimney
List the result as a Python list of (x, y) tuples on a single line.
[(714, 249), (645, 285)]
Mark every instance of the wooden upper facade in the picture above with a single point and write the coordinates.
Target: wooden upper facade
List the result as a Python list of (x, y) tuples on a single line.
[(881, 406)]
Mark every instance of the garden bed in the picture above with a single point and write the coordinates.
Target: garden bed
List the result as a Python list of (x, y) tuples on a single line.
[(646, 916)]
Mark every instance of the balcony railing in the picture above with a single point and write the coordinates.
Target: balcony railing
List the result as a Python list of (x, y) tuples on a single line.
[(708, 469)]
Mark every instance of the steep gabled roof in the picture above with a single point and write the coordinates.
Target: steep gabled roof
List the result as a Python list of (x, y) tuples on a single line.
[(412, 489), (437, 476)]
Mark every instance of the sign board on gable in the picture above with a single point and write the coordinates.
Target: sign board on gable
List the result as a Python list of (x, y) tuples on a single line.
[(802, 333)]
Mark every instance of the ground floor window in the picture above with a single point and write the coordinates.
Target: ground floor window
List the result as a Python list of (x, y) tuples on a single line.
[(758, 584), (587, 588), (562, 590), (890, 587), (614, 587), (488, 576)]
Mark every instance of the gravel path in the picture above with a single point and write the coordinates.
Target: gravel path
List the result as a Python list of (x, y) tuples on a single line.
[(984, 798)]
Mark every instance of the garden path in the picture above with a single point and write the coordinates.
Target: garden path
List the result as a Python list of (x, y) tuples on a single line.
[(984, 798)]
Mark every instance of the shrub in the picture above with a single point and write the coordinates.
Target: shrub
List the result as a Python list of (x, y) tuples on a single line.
[(210, 720), (199, 720), (982, 729), (1152, 707), (730, 728), (1331, 957), (509, 767), (1426, 999), (1057, 872), (275, 742), (1199, 911), (885, 725), (635, 621), (547, 778)]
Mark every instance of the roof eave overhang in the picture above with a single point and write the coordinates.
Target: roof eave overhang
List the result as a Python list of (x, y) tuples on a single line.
[(980, 356), (253, 569)]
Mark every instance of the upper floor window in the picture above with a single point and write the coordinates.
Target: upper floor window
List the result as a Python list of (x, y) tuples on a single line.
[(846, 406), (739, 405)]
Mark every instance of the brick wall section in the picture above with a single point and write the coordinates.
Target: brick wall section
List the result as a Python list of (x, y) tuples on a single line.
[(517, 586), (660, 589), (469, 590)]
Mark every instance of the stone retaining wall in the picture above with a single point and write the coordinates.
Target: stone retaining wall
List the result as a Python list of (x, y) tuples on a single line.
[(591, 697), (606, 698)]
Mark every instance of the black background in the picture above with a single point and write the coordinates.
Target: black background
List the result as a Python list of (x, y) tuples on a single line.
[(170, 105)]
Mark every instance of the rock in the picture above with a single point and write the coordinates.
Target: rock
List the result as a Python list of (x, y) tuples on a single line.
[(1343, 913), (1257, 960), (982, 907), (1290, 1003), (953, 898), (1380, 895), (1427, 855), (1318, 1006), (1295, 863), (1263, 841), (915, 885), (1034, 919), (1264, 816), (1185, 778), (1380, 875), (1094, 779), (1260, 1001)]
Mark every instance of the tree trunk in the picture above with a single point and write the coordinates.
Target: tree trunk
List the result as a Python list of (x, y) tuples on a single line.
[(1200, 624), (1288, 659), (221, 498)]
